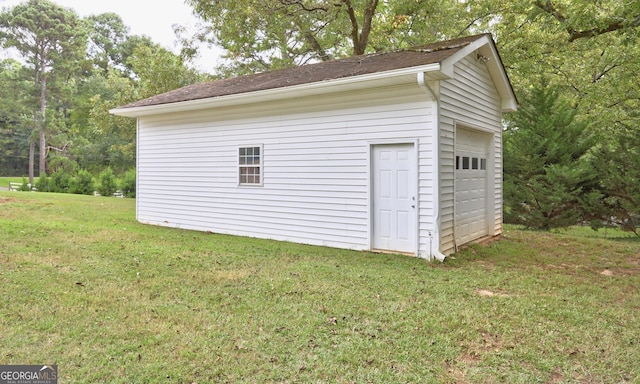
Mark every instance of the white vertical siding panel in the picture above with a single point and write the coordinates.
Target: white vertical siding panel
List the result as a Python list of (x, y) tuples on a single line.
[(471, 98), (315, 163), (426, 193), (446, 130)]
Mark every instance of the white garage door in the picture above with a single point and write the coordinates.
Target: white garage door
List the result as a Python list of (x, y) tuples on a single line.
[(471, 201)]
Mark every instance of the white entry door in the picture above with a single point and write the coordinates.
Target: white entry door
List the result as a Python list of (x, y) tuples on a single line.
[(394, 197)]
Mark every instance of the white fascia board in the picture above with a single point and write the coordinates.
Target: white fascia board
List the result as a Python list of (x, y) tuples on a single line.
[(330, 86), (509, 105), (500, 78), (496, 70), (449, 62)]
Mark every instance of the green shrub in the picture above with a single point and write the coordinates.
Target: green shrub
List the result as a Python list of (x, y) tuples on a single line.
[(60, 182), (107, 183), (128, 185), (25, 185), (83, 183), (42, 185)]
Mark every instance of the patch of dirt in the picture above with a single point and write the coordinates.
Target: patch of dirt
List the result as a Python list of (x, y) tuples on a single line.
[(630, 269), (484, 292), (621, 272), (5, 200), (458, 375), (557, 376), (487, 344)]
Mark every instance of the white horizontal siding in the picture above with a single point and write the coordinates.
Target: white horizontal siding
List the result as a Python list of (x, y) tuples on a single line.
[(470, 98), (315, 165)]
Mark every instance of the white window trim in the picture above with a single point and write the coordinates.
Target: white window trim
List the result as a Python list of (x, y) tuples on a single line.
[(260, 166)]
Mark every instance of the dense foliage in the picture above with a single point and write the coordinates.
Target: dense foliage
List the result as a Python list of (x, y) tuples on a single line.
[(584, 56), (548, 179), (70, 73)]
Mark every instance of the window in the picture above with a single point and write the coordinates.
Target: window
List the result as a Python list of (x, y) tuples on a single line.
[(249, 165), (471, 163), (465, 162)]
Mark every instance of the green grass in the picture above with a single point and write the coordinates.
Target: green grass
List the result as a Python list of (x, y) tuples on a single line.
[(4, 181), (109, 300)]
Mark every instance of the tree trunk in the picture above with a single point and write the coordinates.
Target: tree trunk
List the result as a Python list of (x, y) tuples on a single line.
[(32, 155), (359, 38), (41, 120)]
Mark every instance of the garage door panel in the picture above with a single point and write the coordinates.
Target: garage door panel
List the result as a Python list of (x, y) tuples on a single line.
[(471, 185)]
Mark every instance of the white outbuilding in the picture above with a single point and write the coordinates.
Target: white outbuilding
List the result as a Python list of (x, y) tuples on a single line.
[(394, 152)]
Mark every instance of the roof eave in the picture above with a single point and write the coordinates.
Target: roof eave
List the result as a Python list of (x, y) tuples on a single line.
[(509, 105), (487, 48), (371, 80)]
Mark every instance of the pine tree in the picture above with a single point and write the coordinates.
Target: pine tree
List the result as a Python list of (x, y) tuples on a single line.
[(548, 180), (50, 39), (618, 165)]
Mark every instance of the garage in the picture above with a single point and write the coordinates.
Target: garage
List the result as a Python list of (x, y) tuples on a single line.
[(471, 184), (355, 153)]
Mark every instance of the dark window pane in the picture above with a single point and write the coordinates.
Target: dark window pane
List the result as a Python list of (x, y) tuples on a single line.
[(465, 162), (474, 163)]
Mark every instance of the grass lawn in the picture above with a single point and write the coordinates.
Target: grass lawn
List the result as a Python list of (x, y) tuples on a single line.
[(4, 181), (109, 300)]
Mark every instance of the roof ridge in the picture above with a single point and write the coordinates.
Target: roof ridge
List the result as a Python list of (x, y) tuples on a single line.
[(317, 72), (437, 48)]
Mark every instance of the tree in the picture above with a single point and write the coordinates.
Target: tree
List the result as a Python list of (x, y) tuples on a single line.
[(260, 35), (159, 70), (583, 19), (589, 51), (618, 164), (151, 70), (47, 36), (15, 127), (548, 180), (264, 35), (110, 140), (107, 34)]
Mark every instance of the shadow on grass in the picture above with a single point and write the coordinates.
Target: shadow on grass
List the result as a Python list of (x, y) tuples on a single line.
[(635, 239), (583, 231)]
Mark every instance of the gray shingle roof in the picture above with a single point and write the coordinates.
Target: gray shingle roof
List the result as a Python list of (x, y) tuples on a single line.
[(312, 73)]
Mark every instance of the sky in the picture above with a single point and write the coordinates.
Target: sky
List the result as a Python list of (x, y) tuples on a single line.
[(153, 18)]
